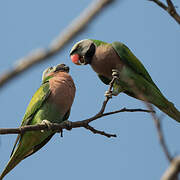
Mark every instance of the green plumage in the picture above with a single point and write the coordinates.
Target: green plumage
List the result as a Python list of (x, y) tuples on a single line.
[(39, 109), (104, 57), (135, 71), (36, 102), (98, 42), (132, 61)]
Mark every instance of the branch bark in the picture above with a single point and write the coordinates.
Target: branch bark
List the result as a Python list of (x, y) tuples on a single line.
[(69, 124), (174, 168), (57, 45), (172, 172), (138, 93), (162, 141), (170, 8)]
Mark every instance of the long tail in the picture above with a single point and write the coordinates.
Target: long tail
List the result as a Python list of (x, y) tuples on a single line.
[(25, 148), (171, 111), (15, 159), (135, 85)]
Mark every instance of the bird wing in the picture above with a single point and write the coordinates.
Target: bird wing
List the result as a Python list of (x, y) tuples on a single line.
[(36, 102), (132, 61), (39, 146)]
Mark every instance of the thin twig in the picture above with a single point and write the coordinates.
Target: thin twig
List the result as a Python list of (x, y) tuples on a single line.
[(100, 113), (127, 110), (162, 141), (63, 38), (172, 172), (170, 8), (159, 3), (140, 95), (95, 131), (138, 91)]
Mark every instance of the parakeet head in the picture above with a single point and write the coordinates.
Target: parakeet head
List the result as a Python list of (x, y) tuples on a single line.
[(82, 52), (61, 67), (51, 71)]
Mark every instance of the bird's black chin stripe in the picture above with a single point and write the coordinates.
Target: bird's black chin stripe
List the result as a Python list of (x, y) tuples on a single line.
[(89, 54)]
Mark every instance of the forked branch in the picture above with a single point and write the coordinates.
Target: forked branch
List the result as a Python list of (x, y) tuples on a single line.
[(170, 8), (69, 124)]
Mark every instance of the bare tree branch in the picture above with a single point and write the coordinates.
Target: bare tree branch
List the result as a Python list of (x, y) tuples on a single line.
[(170, 8), (69, 125), (159, 3), (172, 172), (162, 141), (138, 92), (71, 31)]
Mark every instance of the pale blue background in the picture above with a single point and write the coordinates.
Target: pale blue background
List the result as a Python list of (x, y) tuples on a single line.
[(149, 32)]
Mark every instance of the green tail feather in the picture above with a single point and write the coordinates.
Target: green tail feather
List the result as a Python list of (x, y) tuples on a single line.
[(23, 151), (134, 84), (171, 111), (15, 159)]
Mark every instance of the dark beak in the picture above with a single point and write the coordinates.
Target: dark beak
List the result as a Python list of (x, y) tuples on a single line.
[(62, 67)]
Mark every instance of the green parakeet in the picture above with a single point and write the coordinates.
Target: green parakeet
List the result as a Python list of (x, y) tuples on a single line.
[(105, 58), (52, 103)]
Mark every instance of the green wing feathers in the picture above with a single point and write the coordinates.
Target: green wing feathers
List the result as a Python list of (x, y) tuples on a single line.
[(136, 72), (44, 105), (171, 111), (132, 61), (148, 90), (36, 102), (31, 141)]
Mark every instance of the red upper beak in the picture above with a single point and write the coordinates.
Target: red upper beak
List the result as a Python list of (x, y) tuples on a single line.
[(75, 59)]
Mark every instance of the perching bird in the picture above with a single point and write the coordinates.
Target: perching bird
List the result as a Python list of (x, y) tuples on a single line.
[(50, 104), (116, 59)]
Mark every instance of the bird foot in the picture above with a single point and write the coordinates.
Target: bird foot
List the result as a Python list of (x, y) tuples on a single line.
[(47, 123), (115, 73), (108, 94)]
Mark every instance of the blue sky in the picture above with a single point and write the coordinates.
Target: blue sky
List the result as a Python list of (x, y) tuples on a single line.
[(151, 34)]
